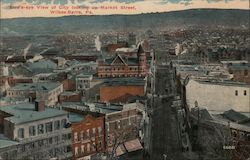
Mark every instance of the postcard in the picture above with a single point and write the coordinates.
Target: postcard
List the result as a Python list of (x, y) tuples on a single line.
[(124, 80)]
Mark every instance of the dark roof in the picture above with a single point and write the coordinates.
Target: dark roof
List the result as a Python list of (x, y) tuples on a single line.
[(131, 81), (140, 49), (234, 116)]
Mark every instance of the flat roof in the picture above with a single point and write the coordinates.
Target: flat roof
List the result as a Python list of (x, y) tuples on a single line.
[(75, 117), (25, 112), (69, 93), (124, 81), (224, 83), (6, 142), (40, 86)]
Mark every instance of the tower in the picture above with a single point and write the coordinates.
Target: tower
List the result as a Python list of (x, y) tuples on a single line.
[(142, 70)]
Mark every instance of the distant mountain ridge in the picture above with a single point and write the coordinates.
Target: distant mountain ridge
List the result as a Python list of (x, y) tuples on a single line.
[(96, 23)]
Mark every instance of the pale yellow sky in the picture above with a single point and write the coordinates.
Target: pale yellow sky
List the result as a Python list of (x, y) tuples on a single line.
[(146, 6)]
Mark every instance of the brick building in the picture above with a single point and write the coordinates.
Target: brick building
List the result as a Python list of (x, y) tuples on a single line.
[(120, 90), (124, 66), (88, 134), (124, 127)]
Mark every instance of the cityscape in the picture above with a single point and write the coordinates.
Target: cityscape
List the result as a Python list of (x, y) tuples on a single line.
[(175, 91)]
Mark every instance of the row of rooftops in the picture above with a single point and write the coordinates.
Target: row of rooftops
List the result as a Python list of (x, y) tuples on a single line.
[(26, 112), (230, 118), (39, 86)]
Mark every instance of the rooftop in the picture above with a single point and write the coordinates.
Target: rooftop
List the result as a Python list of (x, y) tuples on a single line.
[(25, 112), (69, 93), (6, 142), (234, 116), (125, 81), (85, 75), (224, 83), (107, 107), (36, 86), (75, 117)]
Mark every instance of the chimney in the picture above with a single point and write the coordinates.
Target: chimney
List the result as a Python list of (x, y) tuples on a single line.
[(39, 105)]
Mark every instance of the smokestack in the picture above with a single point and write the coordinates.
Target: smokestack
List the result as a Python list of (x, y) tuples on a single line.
[(39, 105), (98, 43), (25, 50)]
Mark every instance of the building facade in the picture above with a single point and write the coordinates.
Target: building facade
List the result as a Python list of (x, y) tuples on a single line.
[(123, 66), (83, 82), (122, 126), (88, 135), (49, 91), (39, 132), (218, 96)]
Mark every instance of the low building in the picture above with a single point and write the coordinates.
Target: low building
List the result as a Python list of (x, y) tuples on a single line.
[(39, 132), (218, 95), (68, 96), (120, 90), (48, 91), (83, 82)]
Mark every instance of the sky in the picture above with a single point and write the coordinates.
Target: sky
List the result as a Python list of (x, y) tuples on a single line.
[(56, 8)]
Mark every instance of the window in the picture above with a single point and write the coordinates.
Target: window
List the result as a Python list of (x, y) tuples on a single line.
[(82, 135), (75, 137), (50, 140), (99, 131), (57, 138), (69, 136), (82, 148), (88, 147), (20, 133), (64, 137), (118, 124), (32, 131), (245, 92), (236, 92), (63, 122), (88, 133), (93, 132), (48, 127), (108, 127), (40, 143), (56, 125), (93, 147), (245, 72), (76, 151), (68, 148), (99, 144)]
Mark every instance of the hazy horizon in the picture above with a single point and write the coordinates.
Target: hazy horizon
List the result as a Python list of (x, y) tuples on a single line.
[(135, 7)]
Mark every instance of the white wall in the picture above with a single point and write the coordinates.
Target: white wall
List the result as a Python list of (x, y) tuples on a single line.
[(218, 97), (36, 123)]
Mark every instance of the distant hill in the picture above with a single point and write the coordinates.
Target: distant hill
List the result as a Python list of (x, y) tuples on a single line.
[(76, 24)]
